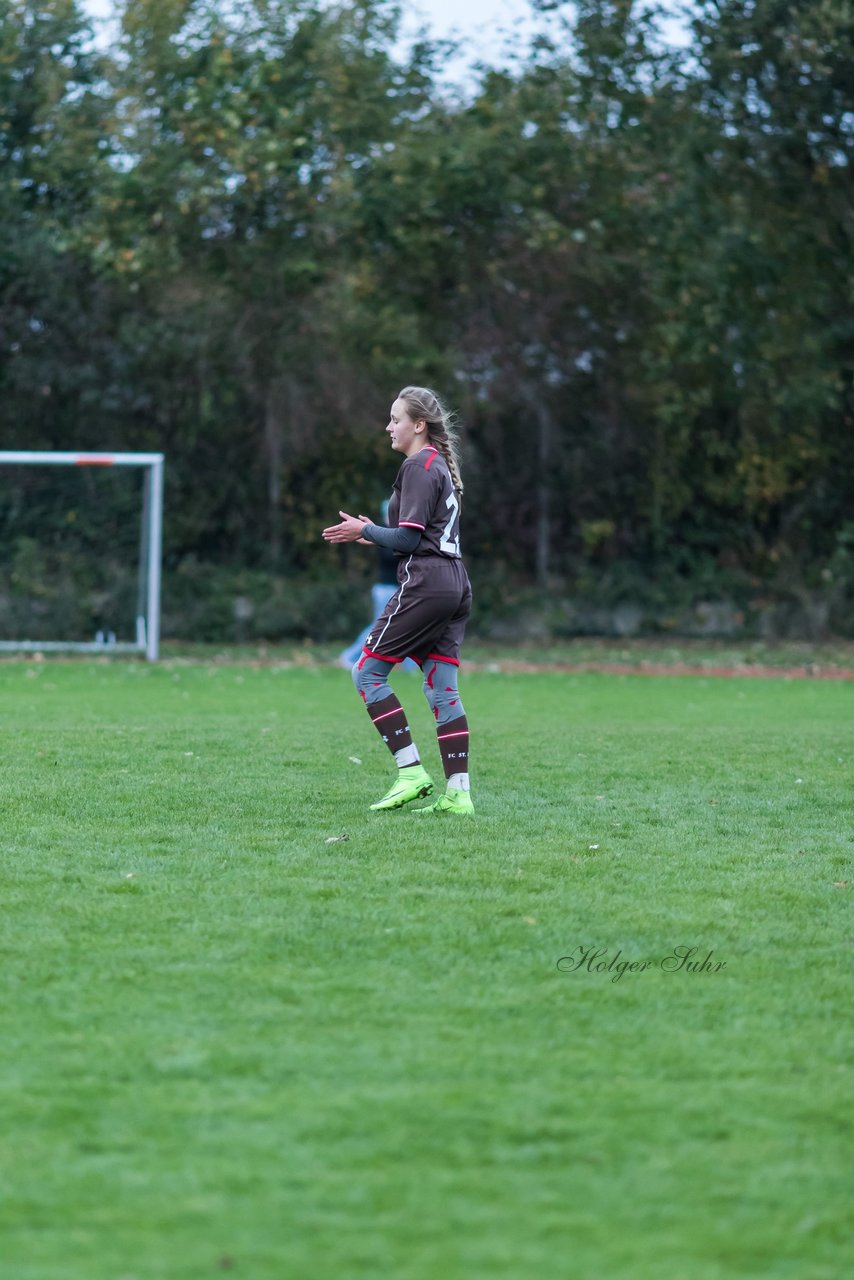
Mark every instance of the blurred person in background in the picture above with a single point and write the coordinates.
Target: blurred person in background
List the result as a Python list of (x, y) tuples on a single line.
[(381, 592)]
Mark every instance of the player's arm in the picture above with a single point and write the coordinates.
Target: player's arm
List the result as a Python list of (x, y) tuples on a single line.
[(404, 538), (360, 529)]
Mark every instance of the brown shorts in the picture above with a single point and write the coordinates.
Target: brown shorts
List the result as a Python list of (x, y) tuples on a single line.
[(426, 617)]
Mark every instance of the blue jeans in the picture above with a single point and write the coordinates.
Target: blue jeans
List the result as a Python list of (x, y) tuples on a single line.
[(381, 593)]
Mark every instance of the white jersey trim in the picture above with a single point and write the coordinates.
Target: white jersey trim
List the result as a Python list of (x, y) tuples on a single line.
[(400, 591)]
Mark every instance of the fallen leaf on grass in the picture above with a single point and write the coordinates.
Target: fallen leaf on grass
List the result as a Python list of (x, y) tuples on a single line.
[(530, 919), (840, 884), (354, 759), (337, 839)]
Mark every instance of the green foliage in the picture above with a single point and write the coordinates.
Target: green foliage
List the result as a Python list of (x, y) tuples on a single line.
[(204, 602), (754, 354), (235, 234)]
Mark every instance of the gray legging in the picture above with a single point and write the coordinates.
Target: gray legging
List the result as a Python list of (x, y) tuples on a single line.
[(370, 676)]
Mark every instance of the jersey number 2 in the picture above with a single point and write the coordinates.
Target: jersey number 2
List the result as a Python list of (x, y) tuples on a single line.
[(451, 546)]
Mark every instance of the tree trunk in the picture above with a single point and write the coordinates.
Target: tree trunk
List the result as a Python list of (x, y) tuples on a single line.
[(544, 529), (542, 485), (275, 403)]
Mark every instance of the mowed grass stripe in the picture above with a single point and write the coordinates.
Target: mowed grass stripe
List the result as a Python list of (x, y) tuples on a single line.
[(229, 1044)]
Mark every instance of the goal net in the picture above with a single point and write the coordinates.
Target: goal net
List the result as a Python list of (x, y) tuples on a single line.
[(80, 552)]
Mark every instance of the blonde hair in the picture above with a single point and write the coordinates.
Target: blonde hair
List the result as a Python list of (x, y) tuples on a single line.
[(422, 402)]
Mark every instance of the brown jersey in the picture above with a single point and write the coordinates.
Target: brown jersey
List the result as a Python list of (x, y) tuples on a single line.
[(424, 498)]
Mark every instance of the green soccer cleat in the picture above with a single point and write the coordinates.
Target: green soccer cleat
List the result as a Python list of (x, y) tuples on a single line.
[(413, 783), (452, 801)]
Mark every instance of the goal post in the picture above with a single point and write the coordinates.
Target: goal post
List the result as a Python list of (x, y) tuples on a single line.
[(147, 630)]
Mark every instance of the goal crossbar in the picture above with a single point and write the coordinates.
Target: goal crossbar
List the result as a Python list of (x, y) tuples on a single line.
[(147, 639)]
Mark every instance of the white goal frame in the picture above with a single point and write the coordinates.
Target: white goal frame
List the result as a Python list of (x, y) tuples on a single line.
[(150, 551)]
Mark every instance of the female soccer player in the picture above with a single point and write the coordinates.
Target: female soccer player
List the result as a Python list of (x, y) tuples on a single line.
[(425, 619)]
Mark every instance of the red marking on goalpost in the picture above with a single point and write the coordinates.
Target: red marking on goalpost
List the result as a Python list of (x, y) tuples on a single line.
[(85, 460)]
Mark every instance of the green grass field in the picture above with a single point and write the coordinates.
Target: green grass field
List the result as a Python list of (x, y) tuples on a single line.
[(229, 1044)]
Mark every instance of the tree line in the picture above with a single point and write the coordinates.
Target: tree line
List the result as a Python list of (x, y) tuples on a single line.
[(235, 233)]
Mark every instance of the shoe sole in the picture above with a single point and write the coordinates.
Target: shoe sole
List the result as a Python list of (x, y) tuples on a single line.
[(421, 794), (451, 813)]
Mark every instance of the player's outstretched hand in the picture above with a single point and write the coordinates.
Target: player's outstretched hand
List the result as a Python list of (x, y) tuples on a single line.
[(349, 530)]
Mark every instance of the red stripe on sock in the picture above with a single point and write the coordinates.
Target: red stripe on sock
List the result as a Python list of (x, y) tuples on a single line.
[(385, 715)]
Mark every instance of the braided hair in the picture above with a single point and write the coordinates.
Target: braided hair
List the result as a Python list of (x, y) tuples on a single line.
[(422, 402)]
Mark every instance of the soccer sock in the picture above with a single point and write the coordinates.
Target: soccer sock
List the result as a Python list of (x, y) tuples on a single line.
[(389, 719), (452, 727), (370, 676), (453, 740)]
